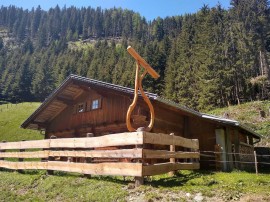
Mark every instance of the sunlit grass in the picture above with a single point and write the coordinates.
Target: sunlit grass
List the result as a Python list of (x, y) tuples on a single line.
[(11, 118), (248, 114), (37, 186)]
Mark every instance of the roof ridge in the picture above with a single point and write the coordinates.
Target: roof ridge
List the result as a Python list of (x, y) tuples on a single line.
[(128, 90), (73, 76)]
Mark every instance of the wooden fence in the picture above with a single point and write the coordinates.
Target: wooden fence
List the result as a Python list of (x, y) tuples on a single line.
[(135, 154)]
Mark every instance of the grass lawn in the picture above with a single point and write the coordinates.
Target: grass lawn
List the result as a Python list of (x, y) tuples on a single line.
[(12, 116), (248, 113), (185, 186)]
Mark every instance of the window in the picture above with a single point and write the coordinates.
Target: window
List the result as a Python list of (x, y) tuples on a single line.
[(81, 108), (96, 104)]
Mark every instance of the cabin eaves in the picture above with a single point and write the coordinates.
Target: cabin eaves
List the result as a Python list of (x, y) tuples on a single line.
[(86, 81)]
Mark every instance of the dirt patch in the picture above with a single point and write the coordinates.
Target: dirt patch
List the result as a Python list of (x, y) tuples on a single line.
[(252, 198), (154, 194)]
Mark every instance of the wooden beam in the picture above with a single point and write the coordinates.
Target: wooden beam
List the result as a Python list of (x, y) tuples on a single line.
[(142, 62), (172, 159), (122, 169), (164, 139), (163, 154), (119, 153), (86, 89), (245, 144), (33, 144), (40, 124), (161, 168), (119, 139), (65, 100), (123, 153), (35, 154)]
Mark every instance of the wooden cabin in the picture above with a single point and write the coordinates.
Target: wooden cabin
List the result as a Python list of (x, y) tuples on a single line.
[(82, 107)]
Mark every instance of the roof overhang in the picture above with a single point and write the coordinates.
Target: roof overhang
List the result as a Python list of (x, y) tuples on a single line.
[(233, 123), (65, 95), (67, 92)]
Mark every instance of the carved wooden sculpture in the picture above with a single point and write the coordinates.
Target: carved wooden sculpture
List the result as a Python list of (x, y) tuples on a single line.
[(138, 85)]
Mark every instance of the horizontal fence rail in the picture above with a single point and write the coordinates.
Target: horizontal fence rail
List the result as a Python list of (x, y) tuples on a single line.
[(123, 169), (121, 153), (162, 139), (124, 154), (157, 169), (120, 139)]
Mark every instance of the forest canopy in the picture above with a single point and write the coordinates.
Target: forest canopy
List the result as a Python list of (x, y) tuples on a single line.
[(212, 58)]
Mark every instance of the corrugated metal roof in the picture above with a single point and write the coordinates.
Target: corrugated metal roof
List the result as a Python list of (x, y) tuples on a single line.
[(220, 119), (127, 90), (230, 122)]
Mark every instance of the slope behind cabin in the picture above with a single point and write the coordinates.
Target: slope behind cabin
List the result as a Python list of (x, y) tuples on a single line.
[(81, 106)]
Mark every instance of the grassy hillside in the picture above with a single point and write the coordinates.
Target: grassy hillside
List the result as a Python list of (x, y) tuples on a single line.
[(11, 117), (248, 113), (186, 186)]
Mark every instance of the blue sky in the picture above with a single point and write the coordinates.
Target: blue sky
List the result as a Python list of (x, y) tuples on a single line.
[(148, 8)]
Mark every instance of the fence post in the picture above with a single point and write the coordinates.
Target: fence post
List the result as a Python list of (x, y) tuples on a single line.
[(2, 151), (218, 157), (172, 160), (139, 180), (256, 163), (87, 159), (51, 158), (21, 159)]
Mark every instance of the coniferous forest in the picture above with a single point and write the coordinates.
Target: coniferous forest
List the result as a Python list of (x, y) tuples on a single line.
[(215, 57)]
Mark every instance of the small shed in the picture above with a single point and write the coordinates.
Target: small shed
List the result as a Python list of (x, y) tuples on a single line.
[(82, 107)]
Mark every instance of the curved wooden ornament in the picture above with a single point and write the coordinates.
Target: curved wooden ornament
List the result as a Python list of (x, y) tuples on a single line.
[(146, 99), (138, 85), (134, 102)]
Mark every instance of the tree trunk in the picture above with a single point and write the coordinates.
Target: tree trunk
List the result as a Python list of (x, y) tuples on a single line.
[(264, 64)]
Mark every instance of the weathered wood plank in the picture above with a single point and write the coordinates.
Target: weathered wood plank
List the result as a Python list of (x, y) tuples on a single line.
[(35, 154), (33, 144), (23, 165), (119, 139), (164, 139), (122, 169), (123, 153), (163, 154), (157, 169)]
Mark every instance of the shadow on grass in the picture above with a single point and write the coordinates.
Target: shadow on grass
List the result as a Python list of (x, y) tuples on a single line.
[(118, 180), (27, 172), (179, 179)]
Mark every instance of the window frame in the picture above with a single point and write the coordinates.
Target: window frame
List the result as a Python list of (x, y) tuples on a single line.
[(81, 109), (97, 105)]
